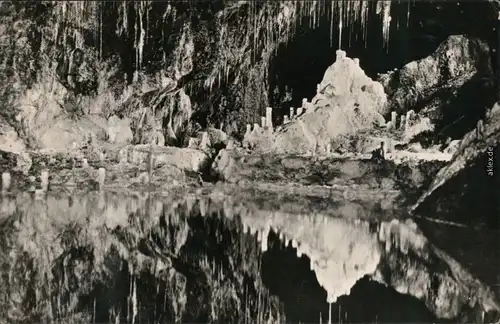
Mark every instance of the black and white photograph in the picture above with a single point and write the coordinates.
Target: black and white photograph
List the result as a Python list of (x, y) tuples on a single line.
[(249, 161)]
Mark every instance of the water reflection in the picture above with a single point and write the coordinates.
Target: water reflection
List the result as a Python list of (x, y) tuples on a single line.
[(224, 256)]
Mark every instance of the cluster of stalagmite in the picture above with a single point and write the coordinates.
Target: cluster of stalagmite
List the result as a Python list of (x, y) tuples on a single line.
[(266, 122), (331, 87), (44, 183), (405, 121)]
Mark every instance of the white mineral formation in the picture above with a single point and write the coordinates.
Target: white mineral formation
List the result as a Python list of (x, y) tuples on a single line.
[(340, 54), (394, 118), (6, 181), (44, 179), (269, 117), (101, 177), (204, 141), (348, 101)]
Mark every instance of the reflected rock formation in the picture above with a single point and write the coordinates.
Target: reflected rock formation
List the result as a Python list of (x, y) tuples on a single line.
[(198, 258)]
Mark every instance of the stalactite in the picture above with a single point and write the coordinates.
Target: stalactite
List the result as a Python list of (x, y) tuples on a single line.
[(340, 24), (384, 10), (100, 31), (387, 22), (142, 34), (408, 15), (332, 12)]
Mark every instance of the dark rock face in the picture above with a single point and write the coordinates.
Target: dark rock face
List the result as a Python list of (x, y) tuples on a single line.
[(453, 87), (470, 177), (464, 196)]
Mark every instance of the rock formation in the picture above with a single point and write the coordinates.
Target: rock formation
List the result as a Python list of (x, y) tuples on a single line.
[(348, 101), (438, 86)]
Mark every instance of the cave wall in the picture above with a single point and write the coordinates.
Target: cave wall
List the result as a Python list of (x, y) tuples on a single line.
[(217, 51)]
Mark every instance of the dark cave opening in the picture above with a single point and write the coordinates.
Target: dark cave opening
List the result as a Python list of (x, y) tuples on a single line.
[(291, 279), (300, 65)]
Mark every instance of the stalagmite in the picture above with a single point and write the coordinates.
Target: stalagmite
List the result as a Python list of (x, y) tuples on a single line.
[(230, 145), (85, 163), (135, 157), (394, 117), (340, 54), (256, 127), (151, 161), (6, 181), (410, 116), (291, 113), (263, 122), (402, 124), (44, 179), (204, 141), (299, 111), (249, 129), (102, 177), (193, 142), (269, 117), (328, 148), (304, 100), (480, 129), (356, 61), (286, 120), (122, 155), (383, 149)]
